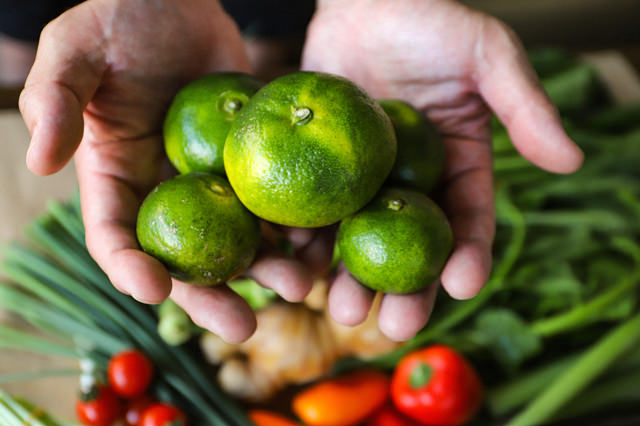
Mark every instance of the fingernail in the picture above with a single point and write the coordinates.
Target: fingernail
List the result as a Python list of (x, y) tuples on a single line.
[(121, 290), (144, 300)]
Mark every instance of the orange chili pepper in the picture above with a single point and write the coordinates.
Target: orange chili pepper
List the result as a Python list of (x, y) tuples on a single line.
[(267, 418), (342, 401)]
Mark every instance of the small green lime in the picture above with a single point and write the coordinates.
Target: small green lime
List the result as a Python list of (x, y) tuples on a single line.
[(309, 149), (198, 228), (199, 117), (420, 160), (398, 243)]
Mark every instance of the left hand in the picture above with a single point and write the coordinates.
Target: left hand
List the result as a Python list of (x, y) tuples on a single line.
[(104, 74), (456, 65)]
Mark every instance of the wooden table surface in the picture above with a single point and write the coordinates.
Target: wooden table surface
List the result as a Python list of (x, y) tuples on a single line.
[(22, 197)]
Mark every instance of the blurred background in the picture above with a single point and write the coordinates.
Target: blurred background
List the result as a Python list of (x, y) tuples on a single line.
[(275, 31)]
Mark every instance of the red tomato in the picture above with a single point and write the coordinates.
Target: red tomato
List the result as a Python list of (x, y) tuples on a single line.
[(389, 416), (103, 409), (160, 414), (268, 418), (130, 373), (436, 386), (135, 408)]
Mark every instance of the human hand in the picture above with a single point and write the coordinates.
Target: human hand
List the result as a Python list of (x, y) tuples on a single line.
[(103, 76), (455, 65)]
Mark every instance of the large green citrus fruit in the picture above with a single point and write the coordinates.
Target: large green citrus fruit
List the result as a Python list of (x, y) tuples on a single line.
[(398, 243), (199, 117), (420, 160), (309, 149), (198, 228)]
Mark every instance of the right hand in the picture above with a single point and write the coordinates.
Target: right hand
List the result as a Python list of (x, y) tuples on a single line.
[(458, 66)]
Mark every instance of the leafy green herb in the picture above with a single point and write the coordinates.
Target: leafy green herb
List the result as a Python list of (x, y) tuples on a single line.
[(506, 336)]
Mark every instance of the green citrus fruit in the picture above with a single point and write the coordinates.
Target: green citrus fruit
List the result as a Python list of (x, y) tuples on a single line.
[(420, 160), (198, 228), (309, 149), (199, 117), (398, 243)]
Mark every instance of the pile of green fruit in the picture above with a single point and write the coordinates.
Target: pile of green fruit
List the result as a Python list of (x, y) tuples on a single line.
[(306, 150)]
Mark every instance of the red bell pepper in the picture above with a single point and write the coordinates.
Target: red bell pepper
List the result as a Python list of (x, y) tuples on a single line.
[(436, 386)]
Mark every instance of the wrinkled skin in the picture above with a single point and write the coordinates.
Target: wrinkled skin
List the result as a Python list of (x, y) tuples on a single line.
[(104, 74), (455, 65), (106, 70)]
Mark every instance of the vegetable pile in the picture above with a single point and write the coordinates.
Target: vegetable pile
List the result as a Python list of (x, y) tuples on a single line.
[(59, 289), (556, 331), (554, 335), (433, 386)]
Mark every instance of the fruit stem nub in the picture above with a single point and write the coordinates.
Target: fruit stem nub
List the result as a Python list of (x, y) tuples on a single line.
[(395, 205), (302, 114), (232, 105), (218, 189)]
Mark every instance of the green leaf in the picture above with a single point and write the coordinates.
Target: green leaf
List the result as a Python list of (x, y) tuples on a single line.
[(574, 88), (596, 218), (548, 61), (590, 311), (256, 296), (555, 286), (506, 336)]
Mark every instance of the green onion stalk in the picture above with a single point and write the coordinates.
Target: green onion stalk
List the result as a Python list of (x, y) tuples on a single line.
[(56, 286), (17, 411)]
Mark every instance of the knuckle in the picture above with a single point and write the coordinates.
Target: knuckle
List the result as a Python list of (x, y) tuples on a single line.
[(50, 31), (23, 103)]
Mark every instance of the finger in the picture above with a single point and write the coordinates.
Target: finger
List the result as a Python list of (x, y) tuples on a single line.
[(469, 207), (510, 86), (65, 75), (298, 237), (401, 316), (217, 309), (317, 254), (109, 210), (113, 178), (287, 277), (349, 301)]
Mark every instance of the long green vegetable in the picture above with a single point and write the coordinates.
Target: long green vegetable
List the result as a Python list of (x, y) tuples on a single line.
[(569, 384), (17, 412), (58, 288), (567, 264), (509, 396)]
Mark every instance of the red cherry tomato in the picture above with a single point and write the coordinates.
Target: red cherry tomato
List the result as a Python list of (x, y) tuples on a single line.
[(389, 416), (101, 409), (135, 408), (436, 386), (160, 414), (130, 373)]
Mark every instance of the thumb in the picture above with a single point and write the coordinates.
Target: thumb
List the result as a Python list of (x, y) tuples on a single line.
[(64, 77), (510, 86)]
